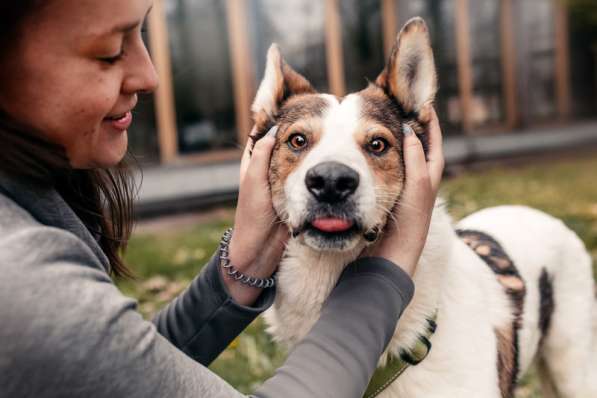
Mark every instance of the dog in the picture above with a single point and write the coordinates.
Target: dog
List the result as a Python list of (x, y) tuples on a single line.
[(504, 287)]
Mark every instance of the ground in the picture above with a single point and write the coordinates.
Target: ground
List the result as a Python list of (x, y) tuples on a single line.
[(166, 254)]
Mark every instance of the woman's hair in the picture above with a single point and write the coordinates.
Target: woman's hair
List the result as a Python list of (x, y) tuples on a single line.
[(101, 198)]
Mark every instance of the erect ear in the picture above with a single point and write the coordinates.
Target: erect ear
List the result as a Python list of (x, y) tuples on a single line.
[(279, 83), (410, 76)]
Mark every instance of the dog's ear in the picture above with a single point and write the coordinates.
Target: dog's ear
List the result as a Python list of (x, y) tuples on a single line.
[(279, 83), (410, 75)]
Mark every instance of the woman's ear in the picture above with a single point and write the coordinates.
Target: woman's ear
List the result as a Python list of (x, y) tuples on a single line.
[(279, 83), (410, 75)]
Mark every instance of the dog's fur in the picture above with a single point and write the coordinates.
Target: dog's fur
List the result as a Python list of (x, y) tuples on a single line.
[(483, 343)]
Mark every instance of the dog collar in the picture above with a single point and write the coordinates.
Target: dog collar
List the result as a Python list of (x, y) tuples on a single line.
[(396, 365)]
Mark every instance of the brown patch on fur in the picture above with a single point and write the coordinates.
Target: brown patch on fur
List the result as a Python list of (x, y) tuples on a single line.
[(492, 253), (387, 168), (303, 106), (381, 108), (511, 282), (377, 106), (506, 360), (293, 109)]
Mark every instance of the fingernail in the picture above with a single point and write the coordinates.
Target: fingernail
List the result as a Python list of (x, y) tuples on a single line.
[(407, 130), (272, 132)]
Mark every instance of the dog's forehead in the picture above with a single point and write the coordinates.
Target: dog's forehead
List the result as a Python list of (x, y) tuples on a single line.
[(362, 110), (342, 116)]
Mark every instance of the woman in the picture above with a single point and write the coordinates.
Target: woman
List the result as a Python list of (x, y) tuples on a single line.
[(70, 73)]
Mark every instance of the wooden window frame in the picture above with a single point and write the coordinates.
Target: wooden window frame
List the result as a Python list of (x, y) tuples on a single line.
[(508, 49), (333, 48), (242, 66), (464, 62), (164, 96), (389, 20)]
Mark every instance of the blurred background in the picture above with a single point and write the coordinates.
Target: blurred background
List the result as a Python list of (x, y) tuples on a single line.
[(517, 103), (516, 76)]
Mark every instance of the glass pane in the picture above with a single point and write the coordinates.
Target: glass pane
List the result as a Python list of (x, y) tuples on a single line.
[(143, 138), (202, 74), (537, 81), (362, 40), (298, 28), (583, 61), (487, 104), (439, 15)]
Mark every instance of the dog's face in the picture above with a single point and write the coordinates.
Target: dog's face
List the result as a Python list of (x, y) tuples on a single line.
[(336, 170)]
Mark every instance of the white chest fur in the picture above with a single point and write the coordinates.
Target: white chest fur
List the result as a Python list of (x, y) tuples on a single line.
[(306, 278)]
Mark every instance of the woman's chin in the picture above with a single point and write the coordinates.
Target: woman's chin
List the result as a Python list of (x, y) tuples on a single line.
[(105, 154), (113, 154)]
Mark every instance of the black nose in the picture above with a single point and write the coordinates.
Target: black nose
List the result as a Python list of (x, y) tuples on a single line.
[(331, 182)]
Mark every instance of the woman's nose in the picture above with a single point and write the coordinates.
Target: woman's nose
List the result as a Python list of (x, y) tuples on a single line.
[(142, 76)]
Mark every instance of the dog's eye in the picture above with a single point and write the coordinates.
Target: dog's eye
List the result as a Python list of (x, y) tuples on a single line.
[(297, 141), (378, 146)]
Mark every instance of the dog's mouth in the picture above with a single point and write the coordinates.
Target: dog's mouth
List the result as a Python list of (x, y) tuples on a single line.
[(333, 234), (332, 224), (332, 229)]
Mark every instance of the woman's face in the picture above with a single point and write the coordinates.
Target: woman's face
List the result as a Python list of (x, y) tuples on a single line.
[(75, 73)]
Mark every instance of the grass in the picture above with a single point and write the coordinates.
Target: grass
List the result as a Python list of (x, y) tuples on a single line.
[(167, 259)]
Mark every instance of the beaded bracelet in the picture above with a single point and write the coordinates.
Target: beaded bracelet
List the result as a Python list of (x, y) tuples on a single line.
[(236, 274)]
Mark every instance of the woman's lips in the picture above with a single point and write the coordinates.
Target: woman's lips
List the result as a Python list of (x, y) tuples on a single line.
[(332, 224), (122, 122)]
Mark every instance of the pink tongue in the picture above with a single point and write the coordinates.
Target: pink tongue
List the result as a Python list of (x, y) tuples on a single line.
[(332, 224)]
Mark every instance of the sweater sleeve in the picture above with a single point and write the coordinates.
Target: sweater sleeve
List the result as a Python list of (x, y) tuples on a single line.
[(340, 354), (68, 331), (204, 319)]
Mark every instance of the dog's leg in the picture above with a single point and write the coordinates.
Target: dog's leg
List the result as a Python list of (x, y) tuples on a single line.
[(568, 344), (548, 389)]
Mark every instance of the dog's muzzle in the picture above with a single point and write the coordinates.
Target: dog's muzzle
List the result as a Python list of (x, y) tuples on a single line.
[(332, 221)]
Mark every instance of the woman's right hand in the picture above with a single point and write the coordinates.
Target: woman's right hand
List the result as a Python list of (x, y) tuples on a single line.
[(405, 235), (259, 238)]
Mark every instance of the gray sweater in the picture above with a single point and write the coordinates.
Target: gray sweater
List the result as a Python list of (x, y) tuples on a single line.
[(67, 331)]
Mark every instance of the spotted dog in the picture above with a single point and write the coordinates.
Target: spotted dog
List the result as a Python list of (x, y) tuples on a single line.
[(505, 287)]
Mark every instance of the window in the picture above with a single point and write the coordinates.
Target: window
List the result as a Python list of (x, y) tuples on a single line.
[(298, 28), (362, 42), (487, 103), (202, 74), (537, 59)]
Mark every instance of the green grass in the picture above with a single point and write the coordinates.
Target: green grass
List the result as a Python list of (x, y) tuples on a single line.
[(166, 260)]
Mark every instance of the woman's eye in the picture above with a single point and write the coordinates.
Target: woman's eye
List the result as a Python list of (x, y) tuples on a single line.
[(378, 146), (297, 141), (112, 60)]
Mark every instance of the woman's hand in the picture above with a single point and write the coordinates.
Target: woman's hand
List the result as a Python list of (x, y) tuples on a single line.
[(405, 236), (259, 239)]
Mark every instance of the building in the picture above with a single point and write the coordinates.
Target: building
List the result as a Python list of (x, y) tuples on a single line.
[(503, 65)]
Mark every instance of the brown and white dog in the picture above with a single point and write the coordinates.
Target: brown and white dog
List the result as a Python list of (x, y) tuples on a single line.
[(336, 174)]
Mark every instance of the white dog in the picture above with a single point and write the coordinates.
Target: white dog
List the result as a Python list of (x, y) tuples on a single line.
[(510, 285)]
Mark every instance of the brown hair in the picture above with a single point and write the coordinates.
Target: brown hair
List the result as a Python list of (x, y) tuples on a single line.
[(101, 198)]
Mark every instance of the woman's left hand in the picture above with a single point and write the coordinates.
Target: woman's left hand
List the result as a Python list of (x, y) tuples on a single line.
[(259, 238), (406, 233)]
